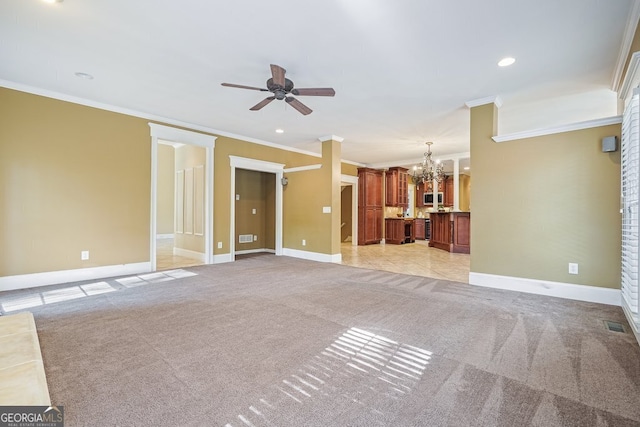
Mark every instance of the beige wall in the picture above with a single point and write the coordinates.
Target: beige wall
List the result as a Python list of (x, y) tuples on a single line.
[(349, 169), (165, 190), (72, 178), (256, 191), (464, 187), (301, 218), (187, 159), (540, 203)]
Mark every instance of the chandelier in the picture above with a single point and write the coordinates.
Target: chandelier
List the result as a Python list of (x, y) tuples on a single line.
[(428, 170)]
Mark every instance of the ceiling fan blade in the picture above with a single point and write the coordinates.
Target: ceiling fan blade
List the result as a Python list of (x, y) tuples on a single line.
[(278, 74), (262, 103), (298, 105), (245, 87), (314, 91)]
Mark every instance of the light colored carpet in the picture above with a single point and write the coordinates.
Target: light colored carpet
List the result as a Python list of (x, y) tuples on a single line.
[(277, 341)]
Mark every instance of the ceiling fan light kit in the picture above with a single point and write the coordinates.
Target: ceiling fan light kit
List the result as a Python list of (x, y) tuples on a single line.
[(281, 88)]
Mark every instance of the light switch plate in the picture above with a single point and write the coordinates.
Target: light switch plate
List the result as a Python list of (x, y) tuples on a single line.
[(326, 209)]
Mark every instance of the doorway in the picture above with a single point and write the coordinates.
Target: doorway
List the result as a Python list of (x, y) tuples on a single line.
[(193, 194), (255, 212)]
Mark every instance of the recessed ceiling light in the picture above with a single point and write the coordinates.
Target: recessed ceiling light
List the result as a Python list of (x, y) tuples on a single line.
[(279, 131), (505, 62), (84, 76), (52, 1)]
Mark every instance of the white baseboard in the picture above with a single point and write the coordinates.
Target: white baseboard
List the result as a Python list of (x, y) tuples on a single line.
[(542, 287), (635, 326), (312, 256), (23, 281), (165, 236), (222, 258), (255, 251), (189, 254)]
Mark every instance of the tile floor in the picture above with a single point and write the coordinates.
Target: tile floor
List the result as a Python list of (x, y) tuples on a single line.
[(165, 259), (412, 258)]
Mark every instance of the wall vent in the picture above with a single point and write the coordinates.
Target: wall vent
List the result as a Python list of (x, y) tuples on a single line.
[(245, 238)]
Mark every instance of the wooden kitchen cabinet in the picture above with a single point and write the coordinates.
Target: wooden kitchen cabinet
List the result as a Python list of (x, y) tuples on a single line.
[(419, 228), (447, 190), (370, 209), (399, 231), (396, 181)]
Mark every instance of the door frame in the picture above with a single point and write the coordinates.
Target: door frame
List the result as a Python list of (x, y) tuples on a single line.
[(259, 166), (353, 182), (166, 133)]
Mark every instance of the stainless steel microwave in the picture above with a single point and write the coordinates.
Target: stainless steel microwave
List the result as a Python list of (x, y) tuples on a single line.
[(428, 198)]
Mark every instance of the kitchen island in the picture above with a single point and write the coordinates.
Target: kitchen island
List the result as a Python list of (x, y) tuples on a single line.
[(451, 231), (399, 231)]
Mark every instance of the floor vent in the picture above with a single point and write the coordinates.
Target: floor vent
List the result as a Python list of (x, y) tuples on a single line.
[(614, 326), (245, 238)]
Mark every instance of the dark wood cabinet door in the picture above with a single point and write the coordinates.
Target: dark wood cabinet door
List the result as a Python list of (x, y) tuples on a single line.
[(419, 228), (448, 191), (369, 206)]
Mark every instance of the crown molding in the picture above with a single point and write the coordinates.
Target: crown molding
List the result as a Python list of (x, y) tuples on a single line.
[(631, 78), (350, 162), (483, 101), (444, 157), (331, 138), (625, 46), (559, 129), (115, 109)]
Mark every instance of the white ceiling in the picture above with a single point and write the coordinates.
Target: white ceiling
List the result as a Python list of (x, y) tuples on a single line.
[(402, 70)]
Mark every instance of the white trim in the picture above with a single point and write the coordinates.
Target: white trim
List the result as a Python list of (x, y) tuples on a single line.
[(165, 236), (302, 168), (331, 138), (543, 287), (358, 164), (147, 116), (255, 165), (222, 258), (495, 99), (199, 256), (167, 133), (255, 251), (632, 78), (260, 166), (33, 280), (353, 181), (625, 46), (559, 129), (312, 256), (464, 155), (630, 316)]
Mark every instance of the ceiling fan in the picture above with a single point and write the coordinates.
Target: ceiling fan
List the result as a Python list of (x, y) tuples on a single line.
[(281, 87)]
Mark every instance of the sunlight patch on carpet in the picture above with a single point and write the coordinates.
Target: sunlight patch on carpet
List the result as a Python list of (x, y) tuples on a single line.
[(360, 366)]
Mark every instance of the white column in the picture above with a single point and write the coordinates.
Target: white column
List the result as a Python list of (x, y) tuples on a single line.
[(434, 186), (456, 184)]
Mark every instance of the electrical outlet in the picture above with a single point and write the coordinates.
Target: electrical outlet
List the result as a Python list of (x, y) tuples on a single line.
[(237, 197), (84, 255), (253, 211), (255, 237), (573, 268), (219, 245), (304, 242)]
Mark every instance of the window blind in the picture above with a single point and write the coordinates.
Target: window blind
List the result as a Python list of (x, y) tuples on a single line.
[(630, 195)]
